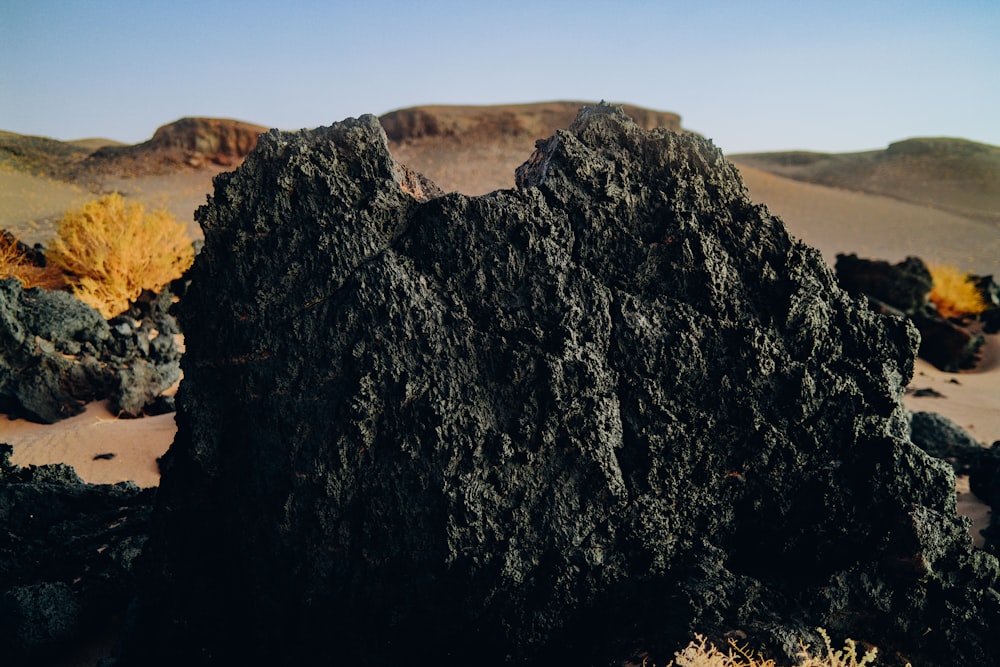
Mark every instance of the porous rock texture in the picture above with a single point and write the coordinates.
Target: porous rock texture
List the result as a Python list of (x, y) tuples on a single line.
[(57, 353), (67, 556), (944, 439), (570, 422)]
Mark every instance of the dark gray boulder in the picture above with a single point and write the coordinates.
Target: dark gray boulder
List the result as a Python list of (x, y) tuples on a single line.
[(57, 353), (68, 552), (942, 438), (573, 422), (905, 288), (984, 482)]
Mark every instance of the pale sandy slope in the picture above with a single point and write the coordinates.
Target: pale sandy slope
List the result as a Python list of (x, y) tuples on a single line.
[(134, 444), (841, 221), (30, 206)]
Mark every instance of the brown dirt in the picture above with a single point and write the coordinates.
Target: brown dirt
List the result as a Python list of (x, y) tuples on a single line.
[(872, 226)]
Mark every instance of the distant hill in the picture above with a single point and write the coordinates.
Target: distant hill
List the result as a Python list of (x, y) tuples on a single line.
[(538, 120), (186, 144), (189, 143), (955, 175), (39, 156), (92, 144)]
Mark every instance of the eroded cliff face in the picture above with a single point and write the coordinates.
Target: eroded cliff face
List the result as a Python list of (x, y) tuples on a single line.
[(580, 418)]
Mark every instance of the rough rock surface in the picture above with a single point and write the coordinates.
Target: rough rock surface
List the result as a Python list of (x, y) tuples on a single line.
[(67, 557), (942, 438), (567, 422), (475, 149), (57, 353)]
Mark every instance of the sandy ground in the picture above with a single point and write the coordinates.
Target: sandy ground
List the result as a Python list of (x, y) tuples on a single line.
[(31, 206), (971, 399), (875, 227), (85, 441)]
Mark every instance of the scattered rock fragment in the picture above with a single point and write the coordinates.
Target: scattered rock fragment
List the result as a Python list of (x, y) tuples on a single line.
[(942, 438)]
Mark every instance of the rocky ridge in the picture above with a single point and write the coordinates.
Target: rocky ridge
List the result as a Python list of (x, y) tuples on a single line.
[(475, 149), (186, 143), (904, 289), (68, 554)]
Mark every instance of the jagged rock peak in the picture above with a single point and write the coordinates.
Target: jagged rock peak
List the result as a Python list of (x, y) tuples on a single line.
[(582, 418)]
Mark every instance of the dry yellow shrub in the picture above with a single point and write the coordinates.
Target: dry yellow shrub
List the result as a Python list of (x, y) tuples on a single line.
[(702, 653), (954, 294), (114, 250), (14, 264)]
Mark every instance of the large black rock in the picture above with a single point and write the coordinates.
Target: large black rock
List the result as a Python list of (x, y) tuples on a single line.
[(944, 439), (570, 421)]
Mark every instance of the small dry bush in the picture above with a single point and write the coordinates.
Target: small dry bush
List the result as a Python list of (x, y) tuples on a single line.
[(702, 653), (14, 263), (114, 250), (954, 294)]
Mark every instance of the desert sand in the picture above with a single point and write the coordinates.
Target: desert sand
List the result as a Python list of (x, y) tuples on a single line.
[(86, 440), (971, 399), (875, 227)]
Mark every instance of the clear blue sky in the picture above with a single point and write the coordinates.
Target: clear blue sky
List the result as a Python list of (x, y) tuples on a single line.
[(828, 76)]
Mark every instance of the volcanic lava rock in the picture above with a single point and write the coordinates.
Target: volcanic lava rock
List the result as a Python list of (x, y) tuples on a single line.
[(942, 438), (571, 422), (905, 288), (984, 482), (56, 353), (67, 557)]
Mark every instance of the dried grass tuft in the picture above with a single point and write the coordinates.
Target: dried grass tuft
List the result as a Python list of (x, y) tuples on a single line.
[(702, 653), (14, 263), (114, 250)]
